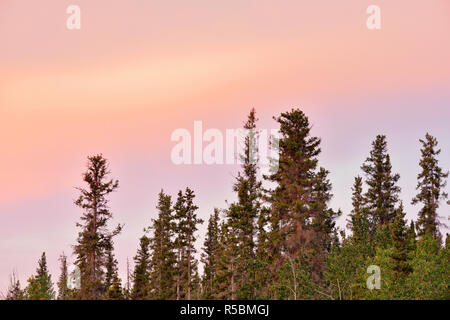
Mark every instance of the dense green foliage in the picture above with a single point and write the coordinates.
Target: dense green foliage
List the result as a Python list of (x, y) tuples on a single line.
[(40, 286)]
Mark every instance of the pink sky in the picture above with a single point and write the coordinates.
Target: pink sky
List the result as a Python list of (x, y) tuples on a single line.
[(137, 70)]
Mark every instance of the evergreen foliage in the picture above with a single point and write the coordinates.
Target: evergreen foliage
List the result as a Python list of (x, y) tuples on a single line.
[(431, 184), (40, 286)]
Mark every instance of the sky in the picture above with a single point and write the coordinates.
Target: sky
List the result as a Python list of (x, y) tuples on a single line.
[(138, 70)]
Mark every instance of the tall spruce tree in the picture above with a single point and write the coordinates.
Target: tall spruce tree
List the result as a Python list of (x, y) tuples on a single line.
[(382, 195), (180, 247), (210, 257), (163, 263), (290, 199), (63, 289), (142, 270), (186, 226), (246, 210), (431, 184), (300, 218), (94, 239), (359, 220), (40, 286)]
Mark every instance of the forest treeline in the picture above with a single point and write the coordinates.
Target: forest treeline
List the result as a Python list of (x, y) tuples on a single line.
[(277, 243)]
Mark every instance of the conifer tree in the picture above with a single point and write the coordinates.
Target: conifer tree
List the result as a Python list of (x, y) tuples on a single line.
[(163, 263), (191, 222), (359, 220), (356, 222), (180, 247), (382, 194), (141, 274), (431, 184), (186, 226), (210, 257), (246, 210), (290, 199), (357, 197), (94, 239), (40, 286), (300, 218), (63, 289), (111, 268)]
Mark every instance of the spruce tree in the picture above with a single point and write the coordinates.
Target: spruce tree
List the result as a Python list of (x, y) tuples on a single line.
[(359, 220), (111, 268), (186, 226), (163, 263), (180, 247), (210, 257), (63, 289), (357, 216), (382, 194), (40, 286), (431, 184), (246, 210), (191, 223), (141, 274), (300, 219), (94, 239), (290, 199)]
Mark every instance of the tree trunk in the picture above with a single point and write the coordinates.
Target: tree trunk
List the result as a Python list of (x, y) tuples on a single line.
[(178, 275), (189, 273), (232, 280)]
